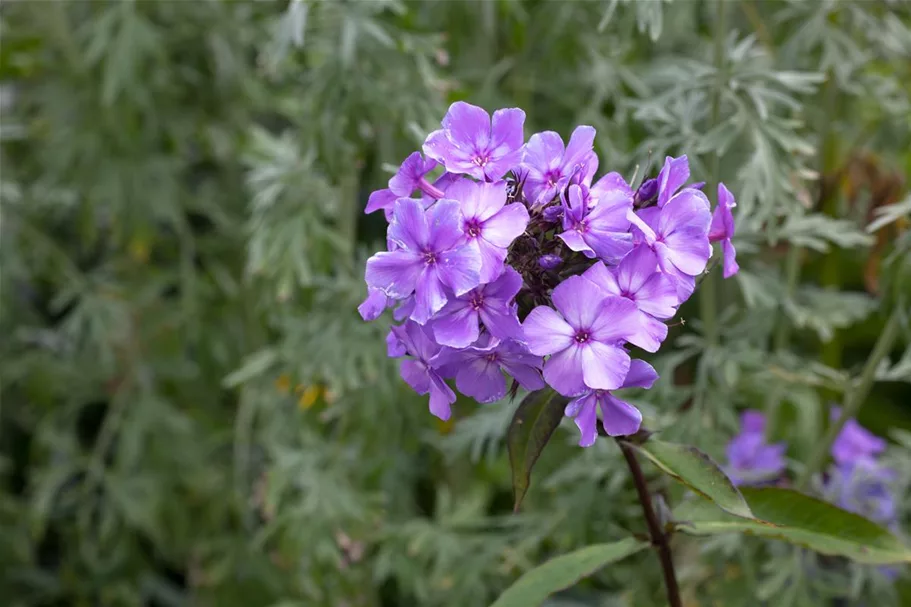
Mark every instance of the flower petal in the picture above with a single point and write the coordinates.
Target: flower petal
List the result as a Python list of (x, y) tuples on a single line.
[(650, 333), (673, 175), (641, 375), (380, 199), (445, 224), (616, 319), (688, 209), (415, 374), (604, 367), (618, 417), (506, 225), (507, 130), (544, 151), (586, 418), (481, 380), (374, 305), (413, 169), (730, 258), (441, 397), (612, 190), (505, 287), (491, 259), (563, 371), (689, 250), (603, 277), (529, 377), (409, 227), (455, 159), (576, 242), (429, 297), (580, 145), (658, 296), (502, 321), (578, 300), (546, 332), (396, 273), (456, 325), (468, 126), (636, 268)]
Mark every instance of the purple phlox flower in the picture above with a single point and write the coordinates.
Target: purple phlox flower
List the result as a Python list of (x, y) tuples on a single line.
[(864, 487), (547, 166), (678, 233), (722, 229), (478, 369), (420, 371), (490, 225), (374, 305), (751, 460), (674, 173), (584, 337), (456, 325), (855, 443), (471, 143), (432, 254), (618, 417), (410, 177), (404, 309), (655, 294), (602, 231)]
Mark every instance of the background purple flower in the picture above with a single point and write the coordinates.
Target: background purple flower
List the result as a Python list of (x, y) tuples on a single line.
[(456, 324), (479, 370), (751, 460), (618, 417), (490, 225), (600, 232), (583, 336), (547, 166), (722, 229), (472, 144), (432, 254), (864, 487), (420, 370)]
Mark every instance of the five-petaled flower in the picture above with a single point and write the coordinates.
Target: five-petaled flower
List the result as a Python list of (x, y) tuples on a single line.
[(471, 143)]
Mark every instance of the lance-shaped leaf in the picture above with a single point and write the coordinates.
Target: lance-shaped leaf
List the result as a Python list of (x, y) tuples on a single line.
[(797, 518), (697, 471), (564, 571), (534, 422)]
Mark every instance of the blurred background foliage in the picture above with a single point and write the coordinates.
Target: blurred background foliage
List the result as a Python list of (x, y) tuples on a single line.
[(194, 414)]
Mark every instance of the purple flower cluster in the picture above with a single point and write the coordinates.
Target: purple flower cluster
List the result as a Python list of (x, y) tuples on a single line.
[(512, 263), (857, 481)]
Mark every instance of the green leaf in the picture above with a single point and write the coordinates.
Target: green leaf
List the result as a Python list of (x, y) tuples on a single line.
[(797, 518), (563, 571), (697, 471), (534, 422)]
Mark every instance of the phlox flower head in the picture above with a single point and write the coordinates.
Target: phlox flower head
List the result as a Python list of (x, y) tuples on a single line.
[(517, 268)]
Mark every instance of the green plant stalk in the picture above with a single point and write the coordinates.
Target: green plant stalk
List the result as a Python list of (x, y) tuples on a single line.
[(854, 398), (659, 537), (708, 310)]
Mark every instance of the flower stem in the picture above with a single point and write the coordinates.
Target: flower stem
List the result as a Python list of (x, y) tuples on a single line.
[(854, 398), (658, 535)]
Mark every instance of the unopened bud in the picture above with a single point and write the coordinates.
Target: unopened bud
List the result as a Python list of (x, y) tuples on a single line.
[(550, 262), (647, 191)]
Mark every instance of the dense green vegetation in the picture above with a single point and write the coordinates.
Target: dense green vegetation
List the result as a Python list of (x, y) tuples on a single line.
[(193, 413)]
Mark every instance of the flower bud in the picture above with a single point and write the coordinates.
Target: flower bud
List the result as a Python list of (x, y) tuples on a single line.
[(550, 262), (647, 191)]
